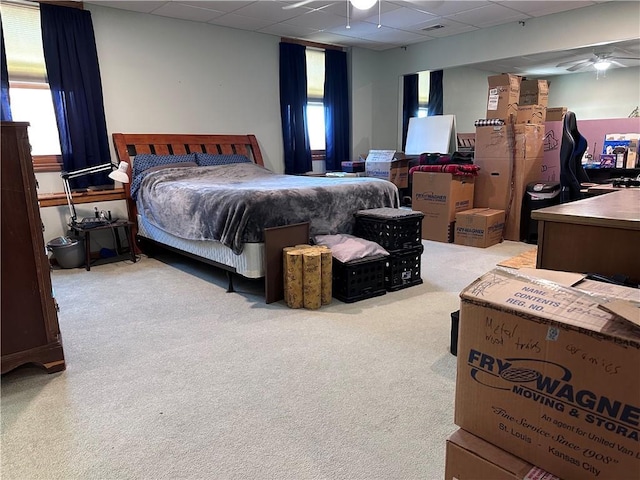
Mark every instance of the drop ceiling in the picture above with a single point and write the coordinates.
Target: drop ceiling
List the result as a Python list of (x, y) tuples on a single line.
[(388, 24)]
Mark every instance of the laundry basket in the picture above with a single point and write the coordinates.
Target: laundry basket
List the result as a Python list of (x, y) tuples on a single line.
[(67, 251)]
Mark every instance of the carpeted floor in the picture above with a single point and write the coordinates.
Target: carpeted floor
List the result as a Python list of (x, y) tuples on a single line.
[(169, 376)]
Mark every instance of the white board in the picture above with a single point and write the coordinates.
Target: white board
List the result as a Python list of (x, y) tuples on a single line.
[(436, 134)]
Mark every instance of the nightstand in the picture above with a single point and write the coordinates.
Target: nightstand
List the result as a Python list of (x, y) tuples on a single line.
[(115, 226)]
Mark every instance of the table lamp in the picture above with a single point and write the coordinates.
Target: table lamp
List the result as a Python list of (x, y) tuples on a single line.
[(118, 174)]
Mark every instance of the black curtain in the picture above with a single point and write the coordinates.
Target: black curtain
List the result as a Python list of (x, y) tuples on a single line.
[(336, 109), (6, 103), (435, 93), (71, 59), (409, 103), (293, 106)]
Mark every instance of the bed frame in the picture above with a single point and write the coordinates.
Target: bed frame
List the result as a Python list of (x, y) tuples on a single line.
[(128, 145)]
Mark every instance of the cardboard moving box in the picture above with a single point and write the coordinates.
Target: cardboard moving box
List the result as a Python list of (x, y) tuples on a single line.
[(531, 114), (471, 458), (479, 227), (502, 180), (504, 93), (534, 92), (556, 114), (388, 165), (440, 196), (548, 375)]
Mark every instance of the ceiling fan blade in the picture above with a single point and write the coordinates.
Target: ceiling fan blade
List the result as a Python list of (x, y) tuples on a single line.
[(573, 62), (296, 5), (625, 58), (580, 66), (617, 63)]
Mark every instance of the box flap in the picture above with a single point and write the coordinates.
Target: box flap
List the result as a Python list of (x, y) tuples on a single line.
[(624, 310), (509, 290), (566, 279), (381, 155)]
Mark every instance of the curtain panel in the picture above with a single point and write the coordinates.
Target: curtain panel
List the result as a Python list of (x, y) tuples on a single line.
[(6, 103), (409, 103), (435, 93), (293, 106), (71, 59), (336, 109)]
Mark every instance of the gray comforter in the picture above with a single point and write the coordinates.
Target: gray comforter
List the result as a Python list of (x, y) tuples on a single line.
[(233, 204)]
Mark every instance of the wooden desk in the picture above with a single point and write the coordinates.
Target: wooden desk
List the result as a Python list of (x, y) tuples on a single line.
[(599, 234)]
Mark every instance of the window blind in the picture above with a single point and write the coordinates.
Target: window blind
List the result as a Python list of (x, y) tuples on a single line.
[(315, 74), (23, 42)]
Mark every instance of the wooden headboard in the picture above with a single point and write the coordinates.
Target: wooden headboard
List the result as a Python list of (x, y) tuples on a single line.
[(128, 145)]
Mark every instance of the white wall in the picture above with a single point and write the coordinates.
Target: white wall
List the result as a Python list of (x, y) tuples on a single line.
[(613, 95), (164, 75)]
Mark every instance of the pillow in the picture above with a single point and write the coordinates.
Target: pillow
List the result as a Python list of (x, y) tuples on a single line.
[(146, 163), (346, 248), (171, 165), (210, 159)]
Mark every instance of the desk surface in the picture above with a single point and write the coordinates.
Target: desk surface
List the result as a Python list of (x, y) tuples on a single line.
[(618, 209)]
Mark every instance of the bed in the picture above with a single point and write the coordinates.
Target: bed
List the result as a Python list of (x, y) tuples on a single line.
[(209, 197)]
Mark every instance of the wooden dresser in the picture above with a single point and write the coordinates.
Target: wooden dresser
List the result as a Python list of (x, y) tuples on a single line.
[(30, 332)]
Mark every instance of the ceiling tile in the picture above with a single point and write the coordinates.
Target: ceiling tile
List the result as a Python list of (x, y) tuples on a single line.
[(187, 12), (400, 17), (392, 35), (488, 15), (268, 10), (450, 28), (444, 8), (221, 6), (540, 8), (317, 19)]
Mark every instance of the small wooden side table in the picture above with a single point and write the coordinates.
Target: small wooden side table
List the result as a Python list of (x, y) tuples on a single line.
[(125, 224)]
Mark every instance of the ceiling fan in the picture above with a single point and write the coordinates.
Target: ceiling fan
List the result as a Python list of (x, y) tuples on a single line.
[(600, 61)]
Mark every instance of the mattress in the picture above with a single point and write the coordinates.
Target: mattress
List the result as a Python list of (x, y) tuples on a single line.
[(250, 263)]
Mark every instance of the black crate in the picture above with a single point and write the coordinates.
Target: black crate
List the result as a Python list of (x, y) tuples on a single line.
[(359, 279), (391, 228), (402, 268)]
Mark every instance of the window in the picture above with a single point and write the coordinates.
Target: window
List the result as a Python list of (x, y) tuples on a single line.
[(28, 88), (315, 96), (423, 93)]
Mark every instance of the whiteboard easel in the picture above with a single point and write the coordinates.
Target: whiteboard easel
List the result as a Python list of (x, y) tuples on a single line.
[(436, 134)]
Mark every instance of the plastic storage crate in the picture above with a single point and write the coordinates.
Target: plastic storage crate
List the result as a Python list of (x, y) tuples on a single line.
[(359, 279), (403, 268), (391, 228)]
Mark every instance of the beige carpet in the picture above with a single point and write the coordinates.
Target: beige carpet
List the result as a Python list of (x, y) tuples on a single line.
[(170, 377)]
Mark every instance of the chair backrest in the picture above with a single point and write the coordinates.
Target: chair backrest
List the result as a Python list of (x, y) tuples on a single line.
[(572, 149)]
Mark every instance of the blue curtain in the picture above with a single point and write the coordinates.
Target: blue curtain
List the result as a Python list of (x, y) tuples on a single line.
[(409, 103), (336, 109), (435, 93), (71, 59), (6, 107), (293, 106)]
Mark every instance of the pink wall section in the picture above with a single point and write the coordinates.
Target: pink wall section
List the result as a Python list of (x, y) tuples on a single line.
[(593, 130)]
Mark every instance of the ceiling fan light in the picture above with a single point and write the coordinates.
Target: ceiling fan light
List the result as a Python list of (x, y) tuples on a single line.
[(602, 65), (363, 4)]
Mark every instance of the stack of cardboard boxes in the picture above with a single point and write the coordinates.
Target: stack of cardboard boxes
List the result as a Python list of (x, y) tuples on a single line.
[(510, 156), (548, 376)]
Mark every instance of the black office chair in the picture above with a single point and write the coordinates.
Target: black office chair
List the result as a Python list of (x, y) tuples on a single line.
[(572, 148)]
